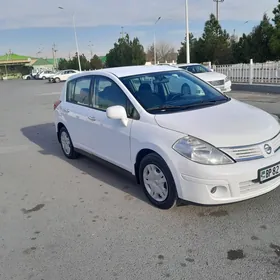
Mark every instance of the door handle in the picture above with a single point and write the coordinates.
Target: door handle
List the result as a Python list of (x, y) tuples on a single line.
[(92, 118)]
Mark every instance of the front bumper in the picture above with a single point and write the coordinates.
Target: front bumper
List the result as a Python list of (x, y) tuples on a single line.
[(225, 88), (234, 182)]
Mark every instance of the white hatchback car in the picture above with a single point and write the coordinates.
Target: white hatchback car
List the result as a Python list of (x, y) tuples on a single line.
[(178, 135), (218, 80)]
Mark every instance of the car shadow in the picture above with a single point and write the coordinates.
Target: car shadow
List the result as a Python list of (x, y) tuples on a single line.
[(44, 136)]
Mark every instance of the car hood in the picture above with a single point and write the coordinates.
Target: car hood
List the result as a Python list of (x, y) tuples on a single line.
[(225, 125), (211, 76)]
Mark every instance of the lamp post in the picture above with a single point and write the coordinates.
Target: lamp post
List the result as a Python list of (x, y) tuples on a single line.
[(217, 7), (187, 32), (76, 40), (155, 50)]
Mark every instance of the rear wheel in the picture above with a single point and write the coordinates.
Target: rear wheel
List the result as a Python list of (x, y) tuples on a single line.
[(57, 80), (157, 181), (66, 144)]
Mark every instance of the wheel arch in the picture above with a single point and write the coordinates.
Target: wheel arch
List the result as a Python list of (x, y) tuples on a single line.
[(59, 126), (148, 150)]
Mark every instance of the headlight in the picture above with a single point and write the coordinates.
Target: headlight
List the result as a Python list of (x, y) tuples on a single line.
[(200, 151), (226, 79)]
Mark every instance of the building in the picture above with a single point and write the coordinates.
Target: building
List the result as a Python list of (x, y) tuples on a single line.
[(42, 64), (11, 59)]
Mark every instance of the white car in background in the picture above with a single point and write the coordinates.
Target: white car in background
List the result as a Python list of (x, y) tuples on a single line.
[(218, 80), (27, 77), (45, 75), (179, 136), (62, 75)]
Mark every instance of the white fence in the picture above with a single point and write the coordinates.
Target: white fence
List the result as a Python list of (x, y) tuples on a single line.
[(267, 73)]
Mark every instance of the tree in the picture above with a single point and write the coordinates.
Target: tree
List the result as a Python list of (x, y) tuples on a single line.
[(196, 50), (261, 37), (73, 63), (125, 53), (241, 50), (274, 43), (164, 52), (216, 42), (95, 63), (63, 64)]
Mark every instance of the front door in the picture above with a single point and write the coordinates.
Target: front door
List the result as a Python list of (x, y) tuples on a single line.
[(109, 139)]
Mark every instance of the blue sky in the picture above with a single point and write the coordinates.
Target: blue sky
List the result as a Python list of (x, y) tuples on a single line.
[(36, 25)]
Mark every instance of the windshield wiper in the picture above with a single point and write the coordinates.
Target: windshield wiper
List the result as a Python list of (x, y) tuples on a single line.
[(182, 107)]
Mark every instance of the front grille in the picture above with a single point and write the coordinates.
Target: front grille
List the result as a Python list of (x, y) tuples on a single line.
[(244, 153), (217, 83), (251, 152)]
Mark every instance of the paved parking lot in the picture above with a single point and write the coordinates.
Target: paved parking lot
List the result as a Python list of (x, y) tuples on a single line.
[(86, 220)]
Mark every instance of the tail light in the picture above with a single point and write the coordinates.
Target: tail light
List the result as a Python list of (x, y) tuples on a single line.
[(56, 103)]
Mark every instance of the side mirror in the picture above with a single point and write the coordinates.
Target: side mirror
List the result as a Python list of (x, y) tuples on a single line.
[(117, 113)]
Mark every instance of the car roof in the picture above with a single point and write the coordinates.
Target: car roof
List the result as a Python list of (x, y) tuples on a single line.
[(125, 71), (188, 64)]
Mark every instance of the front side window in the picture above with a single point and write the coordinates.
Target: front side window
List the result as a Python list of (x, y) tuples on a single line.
[(107, 93), (172, 91), (78, 91)]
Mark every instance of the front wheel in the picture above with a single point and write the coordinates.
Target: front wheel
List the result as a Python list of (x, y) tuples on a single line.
[(157, 181), (57, 80), (44, 78), (66, 144)]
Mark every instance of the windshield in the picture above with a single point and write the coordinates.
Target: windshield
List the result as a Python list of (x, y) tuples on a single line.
[(167, 91), (195, 69)]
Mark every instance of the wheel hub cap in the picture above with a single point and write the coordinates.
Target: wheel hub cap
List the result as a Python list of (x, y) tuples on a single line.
[(155, 182), (65, 142)]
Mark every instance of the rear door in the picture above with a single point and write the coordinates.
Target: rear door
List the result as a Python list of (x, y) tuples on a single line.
[(76, 109)]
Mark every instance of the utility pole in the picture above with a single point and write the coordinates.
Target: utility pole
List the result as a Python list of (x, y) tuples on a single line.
[(122, 31), (8, 58), (187, 32), (90, 47), (54, 50), (155, 48), (217, 7)]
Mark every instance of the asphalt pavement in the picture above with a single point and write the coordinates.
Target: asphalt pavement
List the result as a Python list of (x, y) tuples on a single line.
[(87, 220)]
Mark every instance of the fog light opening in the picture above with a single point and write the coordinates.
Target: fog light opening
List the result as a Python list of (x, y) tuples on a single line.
[(213, 190)]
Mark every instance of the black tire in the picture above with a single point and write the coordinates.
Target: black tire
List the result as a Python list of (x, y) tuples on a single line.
[(44, 78), (28, 78), (72, 154), (172, 196), (57, 80)]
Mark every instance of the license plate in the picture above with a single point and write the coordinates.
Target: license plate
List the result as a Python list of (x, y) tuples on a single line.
[(268, 173)]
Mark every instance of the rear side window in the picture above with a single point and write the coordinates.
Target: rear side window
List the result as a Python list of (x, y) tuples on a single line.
[(78, 91)]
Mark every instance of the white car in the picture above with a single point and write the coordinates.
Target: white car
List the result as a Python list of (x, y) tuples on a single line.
[(27, 77), (45, 75), (218, 80), (62, 76), (205, 148)]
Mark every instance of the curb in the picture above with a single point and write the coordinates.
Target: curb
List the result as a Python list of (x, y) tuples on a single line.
[(263, 88)]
